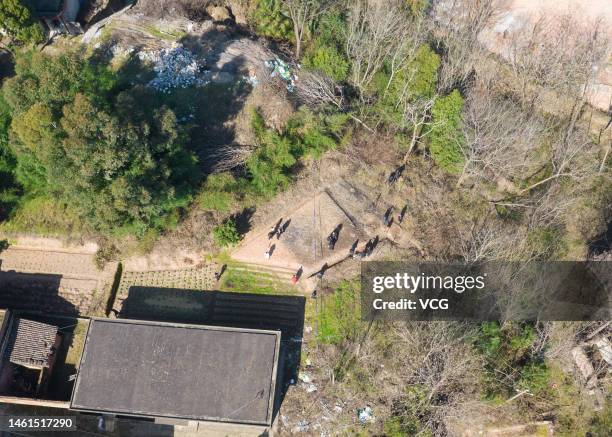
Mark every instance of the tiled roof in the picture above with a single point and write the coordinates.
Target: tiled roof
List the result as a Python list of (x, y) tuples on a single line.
[(31, 343)]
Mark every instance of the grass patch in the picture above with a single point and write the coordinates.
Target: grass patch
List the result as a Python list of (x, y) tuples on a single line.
[(44, 216), (165, 35), (236, 279)]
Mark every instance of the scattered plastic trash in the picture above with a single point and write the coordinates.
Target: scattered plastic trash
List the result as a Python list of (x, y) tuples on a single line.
[(281, 69), (175, 67), (302, 426), (305, 377), (310, 388), (365, 414), (252, 79), (338, 408)]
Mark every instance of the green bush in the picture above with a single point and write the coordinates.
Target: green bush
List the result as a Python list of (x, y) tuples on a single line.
[(118, 157), (416, 80), (328, 60), (226, 234), (306, 134), (507, 351), (326, 51), (445, 138), (534, 377), (271, 162), (601, 423), (408, 414), (9, 189), (270, 22), (219, 192), (17, 20)]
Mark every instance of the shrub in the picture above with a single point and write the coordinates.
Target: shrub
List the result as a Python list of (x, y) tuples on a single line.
[(534, 377), (218, 193), (270, 22), (507, 351), (445, 137), (19, 22), (417, 80), (328, 60), (226, 234), (306, 134), (118, 157)]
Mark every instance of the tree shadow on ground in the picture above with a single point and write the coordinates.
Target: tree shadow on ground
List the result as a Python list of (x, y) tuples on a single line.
[(602, 243), (243, 220)]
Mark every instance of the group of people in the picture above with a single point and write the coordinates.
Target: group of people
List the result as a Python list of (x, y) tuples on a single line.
[(396, 174), (278, 229), (275, 231), (367, 250), (388, 216)]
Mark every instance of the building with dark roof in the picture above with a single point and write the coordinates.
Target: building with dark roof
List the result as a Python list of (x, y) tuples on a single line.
[(176, 371), (31, 344), (28, 351)]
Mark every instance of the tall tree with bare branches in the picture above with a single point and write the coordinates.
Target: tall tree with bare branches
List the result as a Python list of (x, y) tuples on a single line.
[(302, 13)]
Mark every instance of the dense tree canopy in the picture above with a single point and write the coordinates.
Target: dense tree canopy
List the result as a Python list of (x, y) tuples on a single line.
[(117, 156), (18, 22)]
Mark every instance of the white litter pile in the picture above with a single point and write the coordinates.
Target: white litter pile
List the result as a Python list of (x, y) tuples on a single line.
[(175, 67)]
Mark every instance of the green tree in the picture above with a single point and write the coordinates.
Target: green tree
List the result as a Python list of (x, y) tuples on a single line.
[(18, 22), (445, 138), (269, 20), (118, 158), (328, 60), (9, 190), (226, 234)]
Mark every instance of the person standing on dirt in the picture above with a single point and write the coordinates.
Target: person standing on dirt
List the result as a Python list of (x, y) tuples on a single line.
[(268, 253), (220, 272), (280, 230), (296, 277), (321, 272), (353, 249), (387, 220), (402, 214), (331, 240)]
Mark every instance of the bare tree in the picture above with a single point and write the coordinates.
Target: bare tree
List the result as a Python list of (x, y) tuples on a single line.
[(376, 30), (315, 89), (302, 13), (459, 24), (437, 358), (501, 139), (417, 115), (555, 54)]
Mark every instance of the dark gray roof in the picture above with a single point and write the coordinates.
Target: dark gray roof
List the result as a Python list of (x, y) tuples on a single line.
[(31, 343), (181, 371)]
